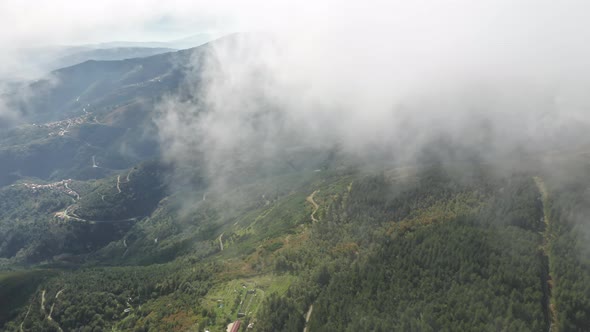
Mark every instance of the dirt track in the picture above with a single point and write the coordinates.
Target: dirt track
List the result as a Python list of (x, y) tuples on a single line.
[(547, 238), (315, 205), (221, 241), (307, 316)]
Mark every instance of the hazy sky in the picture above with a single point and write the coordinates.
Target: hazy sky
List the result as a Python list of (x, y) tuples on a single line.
[(29, 22), (533, 27), (70, 21)]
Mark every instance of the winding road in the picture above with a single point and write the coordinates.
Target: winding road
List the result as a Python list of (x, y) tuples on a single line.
[(43, 301), (307, 316), (221, 241), (119, 183), (52, 305), (315, 205), (24, 319), (69, 214), (72, 190)]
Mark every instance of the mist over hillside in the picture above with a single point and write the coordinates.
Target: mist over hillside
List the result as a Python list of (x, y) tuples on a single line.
[(370, 166)]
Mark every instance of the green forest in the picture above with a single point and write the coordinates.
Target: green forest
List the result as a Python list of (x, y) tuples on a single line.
[(419, 249)]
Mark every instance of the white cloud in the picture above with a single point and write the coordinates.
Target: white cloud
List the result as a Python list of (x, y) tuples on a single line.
[(352, 72), (394, 73)]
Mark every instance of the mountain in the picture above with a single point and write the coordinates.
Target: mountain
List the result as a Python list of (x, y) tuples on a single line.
[(115, 53), (90, 111), (99, 232), (37, 61)]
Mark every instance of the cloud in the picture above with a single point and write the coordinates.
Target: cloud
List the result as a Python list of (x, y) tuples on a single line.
[(395, 75), (493, 77), (7, 115)]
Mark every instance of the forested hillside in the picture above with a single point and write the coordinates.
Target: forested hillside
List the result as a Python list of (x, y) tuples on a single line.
[(408, 250), (182, 192)]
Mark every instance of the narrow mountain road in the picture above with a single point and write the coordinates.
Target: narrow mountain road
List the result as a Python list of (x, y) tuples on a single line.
[(547, 239), (307, 317), (126, 180), (69, 215), (69, 212), (24, 319), (315, 205), (49, 318), (51, 310), (221, 241), (43, 302), (129, 174), (72, 190), (119, 183)]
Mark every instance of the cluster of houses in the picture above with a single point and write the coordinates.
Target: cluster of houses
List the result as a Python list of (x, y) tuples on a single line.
[(61, 186), (61, 127)]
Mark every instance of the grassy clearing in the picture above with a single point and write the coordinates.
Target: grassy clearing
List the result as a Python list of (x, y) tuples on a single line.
[(242, 297)]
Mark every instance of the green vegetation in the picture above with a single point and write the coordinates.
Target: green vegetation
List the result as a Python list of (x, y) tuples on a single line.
[(16, 287), (303, 240), (134, 194), (569, 253), (419, 251)]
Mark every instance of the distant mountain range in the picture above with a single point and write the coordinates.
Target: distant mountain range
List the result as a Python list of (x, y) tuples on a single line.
[(37, 61), (112, 53), (179, 44)]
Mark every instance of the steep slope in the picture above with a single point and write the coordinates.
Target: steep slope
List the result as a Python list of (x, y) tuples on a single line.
[(98, 85), (96, 109)]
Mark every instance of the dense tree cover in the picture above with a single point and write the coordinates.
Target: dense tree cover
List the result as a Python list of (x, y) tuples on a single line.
[(280, 314), (141, 188), (16, 287), (476, 265), (445, 277), (31, 232), (93, 299), (26, 231), (426, 251), (570, 252), (517, 203), (38, 158)]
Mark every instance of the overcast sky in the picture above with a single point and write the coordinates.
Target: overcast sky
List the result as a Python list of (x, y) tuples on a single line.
[(539, 25), (70, 21), (29, 22)]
